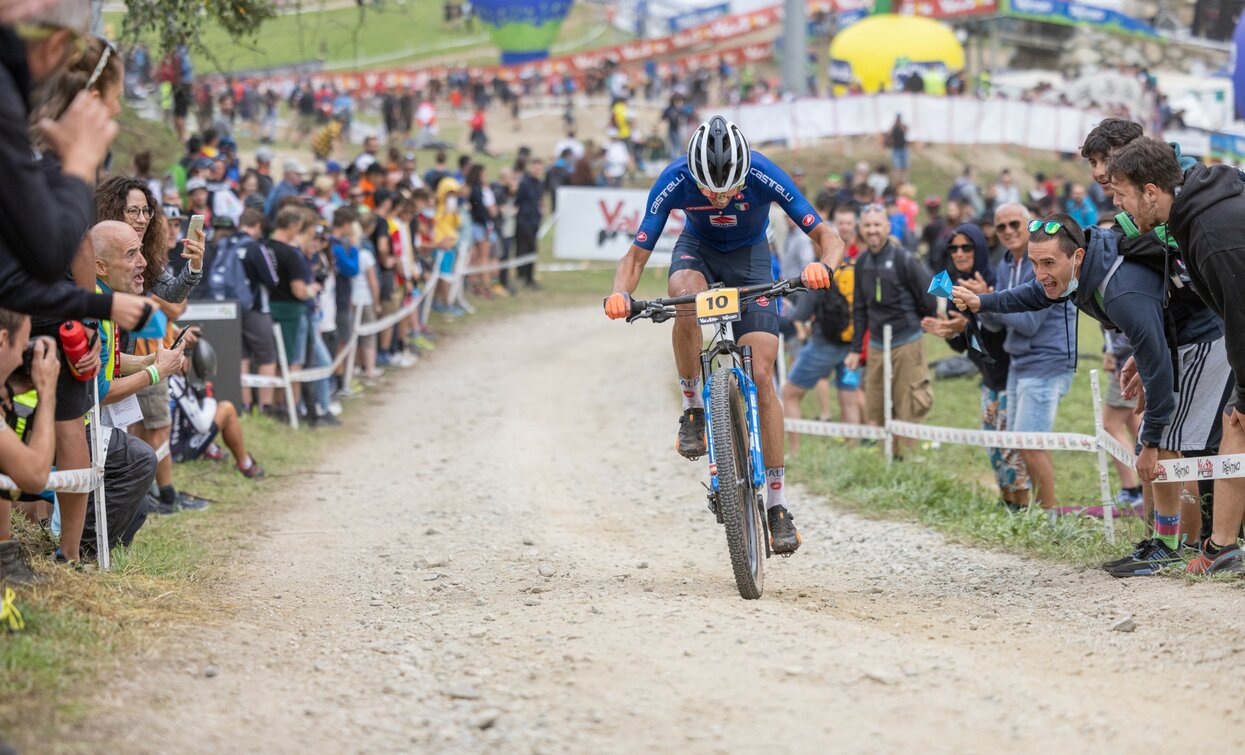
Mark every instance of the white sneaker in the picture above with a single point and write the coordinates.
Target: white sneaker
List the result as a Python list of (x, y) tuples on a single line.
[(335, 408), (406, 359)]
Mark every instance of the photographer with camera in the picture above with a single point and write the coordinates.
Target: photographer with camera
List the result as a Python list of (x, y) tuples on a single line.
[(28, 369)]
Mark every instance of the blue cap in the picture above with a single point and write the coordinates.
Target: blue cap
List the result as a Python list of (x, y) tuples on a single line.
[(333, 167)]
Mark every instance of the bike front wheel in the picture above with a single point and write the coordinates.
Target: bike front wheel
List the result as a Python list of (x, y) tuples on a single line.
[(737, 498)]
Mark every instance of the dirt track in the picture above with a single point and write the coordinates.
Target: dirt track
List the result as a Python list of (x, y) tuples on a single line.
[(514, 559)]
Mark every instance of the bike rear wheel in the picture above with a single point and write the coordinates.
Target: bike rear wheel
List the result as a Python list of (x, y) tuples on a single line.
[(737, 498)]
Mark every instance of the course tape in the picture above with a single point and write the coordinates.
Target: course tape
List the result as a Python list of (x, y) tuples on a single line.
[(516, 262), (388, 321), (1201, 468), (67, 481), (262, 381), (995, 439), (1117, 450), (834, 429)]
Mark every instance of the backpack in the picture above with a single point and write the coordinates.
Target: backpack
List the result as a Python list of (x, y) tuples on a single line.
[(1158, 251), (226, 277), (833, 313)]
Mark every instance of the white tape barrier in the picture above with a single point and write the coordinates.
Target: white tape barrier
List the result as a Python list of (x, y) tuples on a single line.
[(526, 259), (388, 321), (834, 429), (67, 481), (994, 438), (1117, 450), (1224, 467)]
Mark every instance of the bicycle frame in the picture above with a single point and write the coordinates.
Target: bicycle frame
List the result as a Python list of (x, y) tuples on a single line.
[(741, 356)]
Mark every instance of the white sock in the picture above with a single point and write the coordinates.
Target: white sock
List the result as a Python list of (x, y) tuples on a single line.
[(777, 495), (691, 393)]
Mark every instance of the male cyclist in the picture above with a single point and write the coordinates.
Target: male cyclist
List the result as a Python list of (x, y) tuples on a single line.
[(725, 190)]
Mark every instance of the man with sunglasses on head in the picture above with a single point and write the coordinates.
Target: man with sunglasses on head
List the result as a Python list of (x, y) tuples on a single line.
[(46, 209), (1040, 345), (1182, 391), (725, 190)]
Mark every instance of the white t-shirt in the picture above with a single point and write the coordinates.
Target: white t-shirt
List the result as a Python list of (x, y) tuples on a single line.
[(326, 302), (616, 157), (360, 291), (574, 145)]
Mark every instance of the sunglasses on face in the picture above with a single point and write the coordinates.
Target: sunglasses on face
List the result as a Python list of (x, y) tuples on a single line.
[(953, 248), (1014, 225)]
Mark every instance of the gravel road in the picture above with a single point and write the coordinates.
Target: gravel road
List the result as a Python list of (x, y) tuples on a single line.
[(512, 558)]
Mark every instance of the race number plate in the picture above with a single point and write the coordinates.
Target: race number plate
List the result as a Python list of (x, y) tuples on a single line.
[(717, 305)]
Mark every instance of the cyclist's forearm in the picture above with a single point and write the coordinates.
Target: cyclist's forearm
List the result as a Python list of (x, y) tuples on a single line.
[(630, 268), (829, 245)]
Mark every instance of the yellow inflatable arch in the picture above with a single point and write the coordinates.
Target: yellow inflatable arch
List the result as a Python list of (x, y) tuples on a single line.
[(869, 50)]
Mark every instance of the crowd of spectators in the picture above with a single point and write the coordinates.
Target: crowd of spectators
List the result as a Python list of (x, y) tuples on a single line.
[(1023, 264), (306, 248), (98, 263)]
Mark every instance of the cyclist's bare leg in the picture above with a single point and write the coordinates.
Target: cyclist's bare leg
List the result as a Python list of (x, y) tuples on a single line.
[(687, 336), (792, 394), (764, 352)]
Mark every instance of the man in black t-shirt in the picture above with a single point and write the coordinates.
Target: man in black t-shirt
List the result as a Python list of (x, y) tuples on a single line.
[(294, 282), (259, 349)]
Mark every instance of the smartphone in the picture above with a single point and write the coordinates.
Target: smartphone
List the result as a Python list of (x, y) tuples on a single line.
[(196, 224), (179, 338)]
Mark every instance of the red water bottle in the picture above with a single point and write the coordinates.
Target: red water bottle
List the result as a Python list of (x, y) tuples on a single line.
[(75, 344)]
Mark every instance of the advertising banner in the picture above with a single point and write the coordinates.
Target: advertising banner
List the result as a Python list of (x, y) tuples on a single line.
[(684, 21), (946, 8), (598, 223), (1075, 14)]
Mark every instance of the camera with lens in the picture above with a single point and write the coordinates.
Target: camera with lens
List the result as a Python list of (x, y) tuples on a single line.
[(28, 357)]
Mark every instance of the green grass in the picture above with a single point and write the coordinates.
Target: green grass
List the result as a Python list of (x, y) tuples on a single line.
[(951, 487), (136, 134), (80, 625), (374, 37)]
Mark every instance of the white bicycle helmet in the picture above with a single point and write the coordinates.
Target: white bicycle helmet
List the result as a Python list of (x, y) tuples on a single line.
[(718, 155)]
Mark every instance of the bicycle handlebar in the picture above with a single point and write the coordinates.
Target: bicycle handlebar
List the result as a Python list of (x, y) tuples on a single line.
[(660, 310)]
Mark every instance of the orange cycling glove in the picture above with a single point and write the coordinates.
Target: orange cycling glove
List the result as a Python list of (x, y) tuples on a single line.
[(816, 275), (617, 306)]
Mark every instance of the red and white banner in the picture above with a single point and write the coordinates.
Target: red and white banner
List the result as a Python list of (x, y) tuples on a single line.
[(625, 54), (946, 8)]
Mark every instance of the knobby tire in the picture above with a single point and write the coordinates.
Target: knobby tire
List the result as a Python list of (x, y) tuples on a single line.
[(736, 496)]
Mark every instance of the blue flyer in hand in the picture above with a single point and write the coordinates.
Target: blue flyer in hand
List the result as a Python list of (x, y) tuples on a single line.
[(941, 285)]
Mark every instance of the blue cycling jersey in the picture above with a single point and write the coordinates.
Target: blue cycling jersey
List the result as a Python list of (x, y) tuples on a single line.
[(740, 224)]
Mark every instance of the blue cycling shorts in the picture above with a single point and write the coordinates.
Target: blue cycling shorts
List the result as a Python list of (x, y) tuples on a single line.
[(747, 266)]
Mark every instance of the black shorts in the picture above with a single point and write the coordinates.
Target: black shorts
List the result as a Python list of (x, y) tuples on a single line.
[(74, 398), (181, 100), (258, 343), (746, 266)]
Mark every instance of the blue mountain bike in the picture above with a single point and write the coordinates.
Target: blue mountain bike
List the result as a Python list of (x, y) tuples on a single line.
[(736, 469)]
